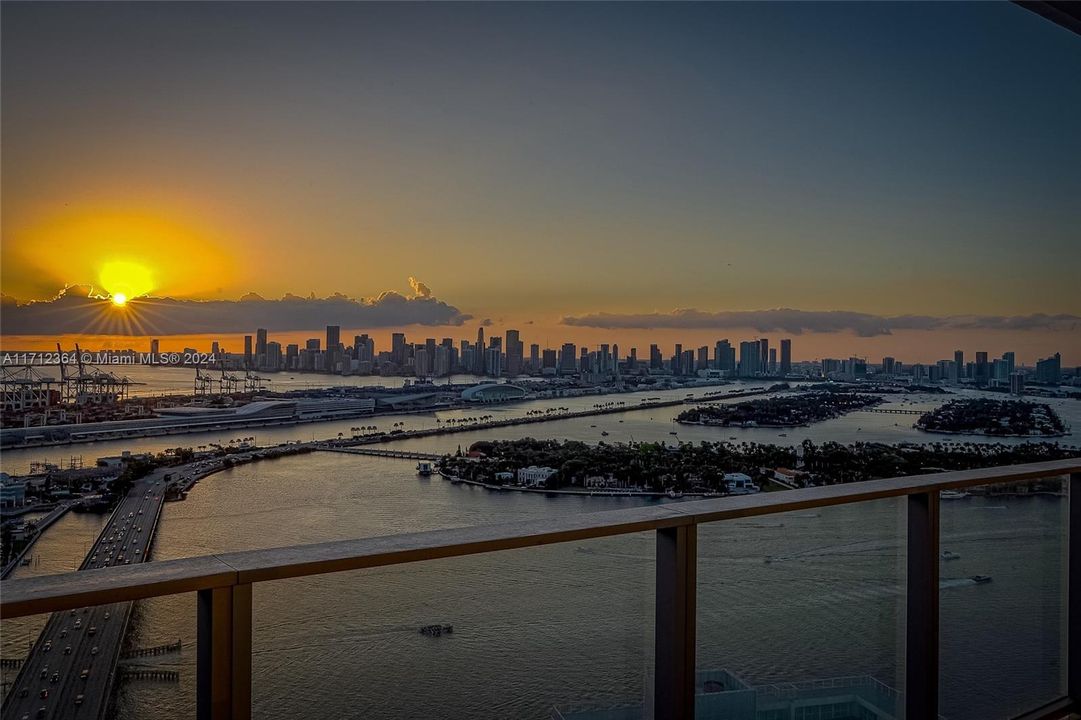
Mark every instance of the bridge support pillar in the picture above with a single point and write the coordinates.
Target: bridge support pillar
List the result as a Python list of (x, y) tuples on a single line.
[(223, 689)]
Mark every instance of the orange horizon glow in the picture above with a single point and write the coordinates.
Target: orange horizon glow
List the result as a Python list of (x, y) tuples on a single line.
[(908, 346)]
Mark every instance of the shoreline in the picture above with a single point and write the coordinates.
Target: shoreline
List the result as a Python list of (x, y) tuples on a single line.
[(589, 493)]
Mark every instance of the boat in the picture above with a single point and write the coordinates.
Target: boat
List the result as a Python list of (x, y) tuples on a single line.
[(604, 433), (981, 579), (782, 434), (424, 468), (436, 630), (673, 433), (952, 494), (947, 555)]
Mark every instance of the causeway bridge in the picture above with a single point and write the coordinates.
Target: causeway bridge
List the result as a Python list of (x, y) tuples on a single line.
[(400, 454), (892, 411)]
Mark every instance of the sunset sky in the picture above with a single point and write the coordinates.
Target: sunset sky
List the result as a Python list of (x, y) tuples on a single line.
[(582, 169)]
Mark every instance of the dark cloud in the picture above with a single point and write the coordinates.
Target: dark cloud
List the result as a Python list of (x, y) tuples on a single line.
[(829, 321), (77, 310), (486, 322)]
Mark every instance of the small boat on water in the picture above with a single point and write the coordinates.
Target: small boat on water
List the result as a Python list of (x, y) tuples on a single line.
[(952, 494), (947, 555), (424, 468), (981, 579), (436, 630), (604, 433)]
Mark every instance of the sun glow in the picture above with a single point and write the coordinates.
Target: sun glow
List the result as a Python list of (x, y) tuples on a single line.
[(124, 279)]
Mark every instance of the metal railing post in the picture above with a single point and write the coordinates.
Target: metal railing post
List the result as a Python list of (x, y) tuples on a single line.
[(1073, 592), (921, 618), (673, 689), (223, 676)]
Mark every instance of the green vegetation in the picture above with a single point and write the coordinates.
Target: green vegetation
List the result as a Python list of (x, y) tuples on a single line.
[(658, 467), (981, 416), (786, 411)]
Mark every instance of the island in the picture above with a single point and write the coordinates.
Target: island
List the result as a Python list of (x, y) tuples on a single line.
[(1003, 418), (780, 412), (719, 468)]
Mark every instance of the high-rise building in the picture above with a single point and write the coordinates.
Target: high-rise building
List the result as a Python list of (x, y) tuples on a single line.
[(274, 355), (479, 352), (247, 352), (786, 356), (154, 345), (292, 356), (260, 348), (363, 348), (422, 361), (983, 371), (397, 349), (1011, 362), (494, 360), (750, 354), (773, 361), (1049, 370), (677, 360), (567, 358), (1017, 383), (514, 351), (334, 333), (724, 356), (959, 361), (656, 360), (703, 358), (888, 365), (534, 357)]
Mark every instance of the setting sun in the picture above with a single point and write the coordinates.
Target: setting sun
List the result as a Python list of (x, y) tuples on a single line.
[(124, 279)]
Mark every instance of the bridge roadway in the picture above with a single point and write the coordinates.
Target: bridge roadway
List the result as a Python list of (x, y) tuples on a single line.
[(403, 454), (94, 634)]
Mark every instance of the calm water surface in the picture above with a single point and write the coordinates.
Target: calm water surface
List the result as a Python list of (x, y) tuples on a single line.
[(571, 625)]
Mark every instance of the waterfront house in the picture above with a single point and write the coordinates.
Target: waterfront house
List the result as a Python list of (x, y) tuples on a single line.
[(534, 476)]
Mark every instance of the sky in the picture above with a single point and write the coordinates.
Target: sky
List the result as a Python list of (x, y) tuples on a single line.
[(596, 170)]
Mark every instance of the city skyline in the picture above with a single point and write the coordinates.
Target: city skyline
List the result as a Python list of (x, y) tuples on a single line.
[(631, 181)]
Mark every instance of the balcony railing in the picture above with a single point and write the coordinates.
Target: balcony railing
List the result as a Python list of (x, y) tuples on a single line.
[(224, 582)]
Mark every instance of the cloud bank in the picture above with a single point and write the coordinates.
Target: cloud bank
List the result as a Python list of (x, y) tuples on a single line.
[(797, 322), (79, 310)]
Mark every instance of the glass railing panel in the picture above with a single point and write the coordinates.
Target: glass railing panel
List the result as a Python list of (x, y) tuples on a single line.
[(86, 663), (521, 633), (1002, 601), (802, 613)]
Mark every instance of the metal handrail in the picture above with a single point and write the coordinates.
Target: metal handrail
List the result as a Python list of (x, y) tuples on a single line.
[(31, 596), (224, 581)]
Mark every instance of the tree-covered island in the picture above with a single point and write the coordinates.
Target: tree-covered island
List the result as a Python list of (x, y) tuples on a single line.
[(780, 412), (702, 468), (982, 416)]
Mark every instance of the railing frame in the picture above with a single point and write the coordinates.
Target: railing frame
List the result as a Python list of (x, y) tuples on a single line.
[(224, 582)]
